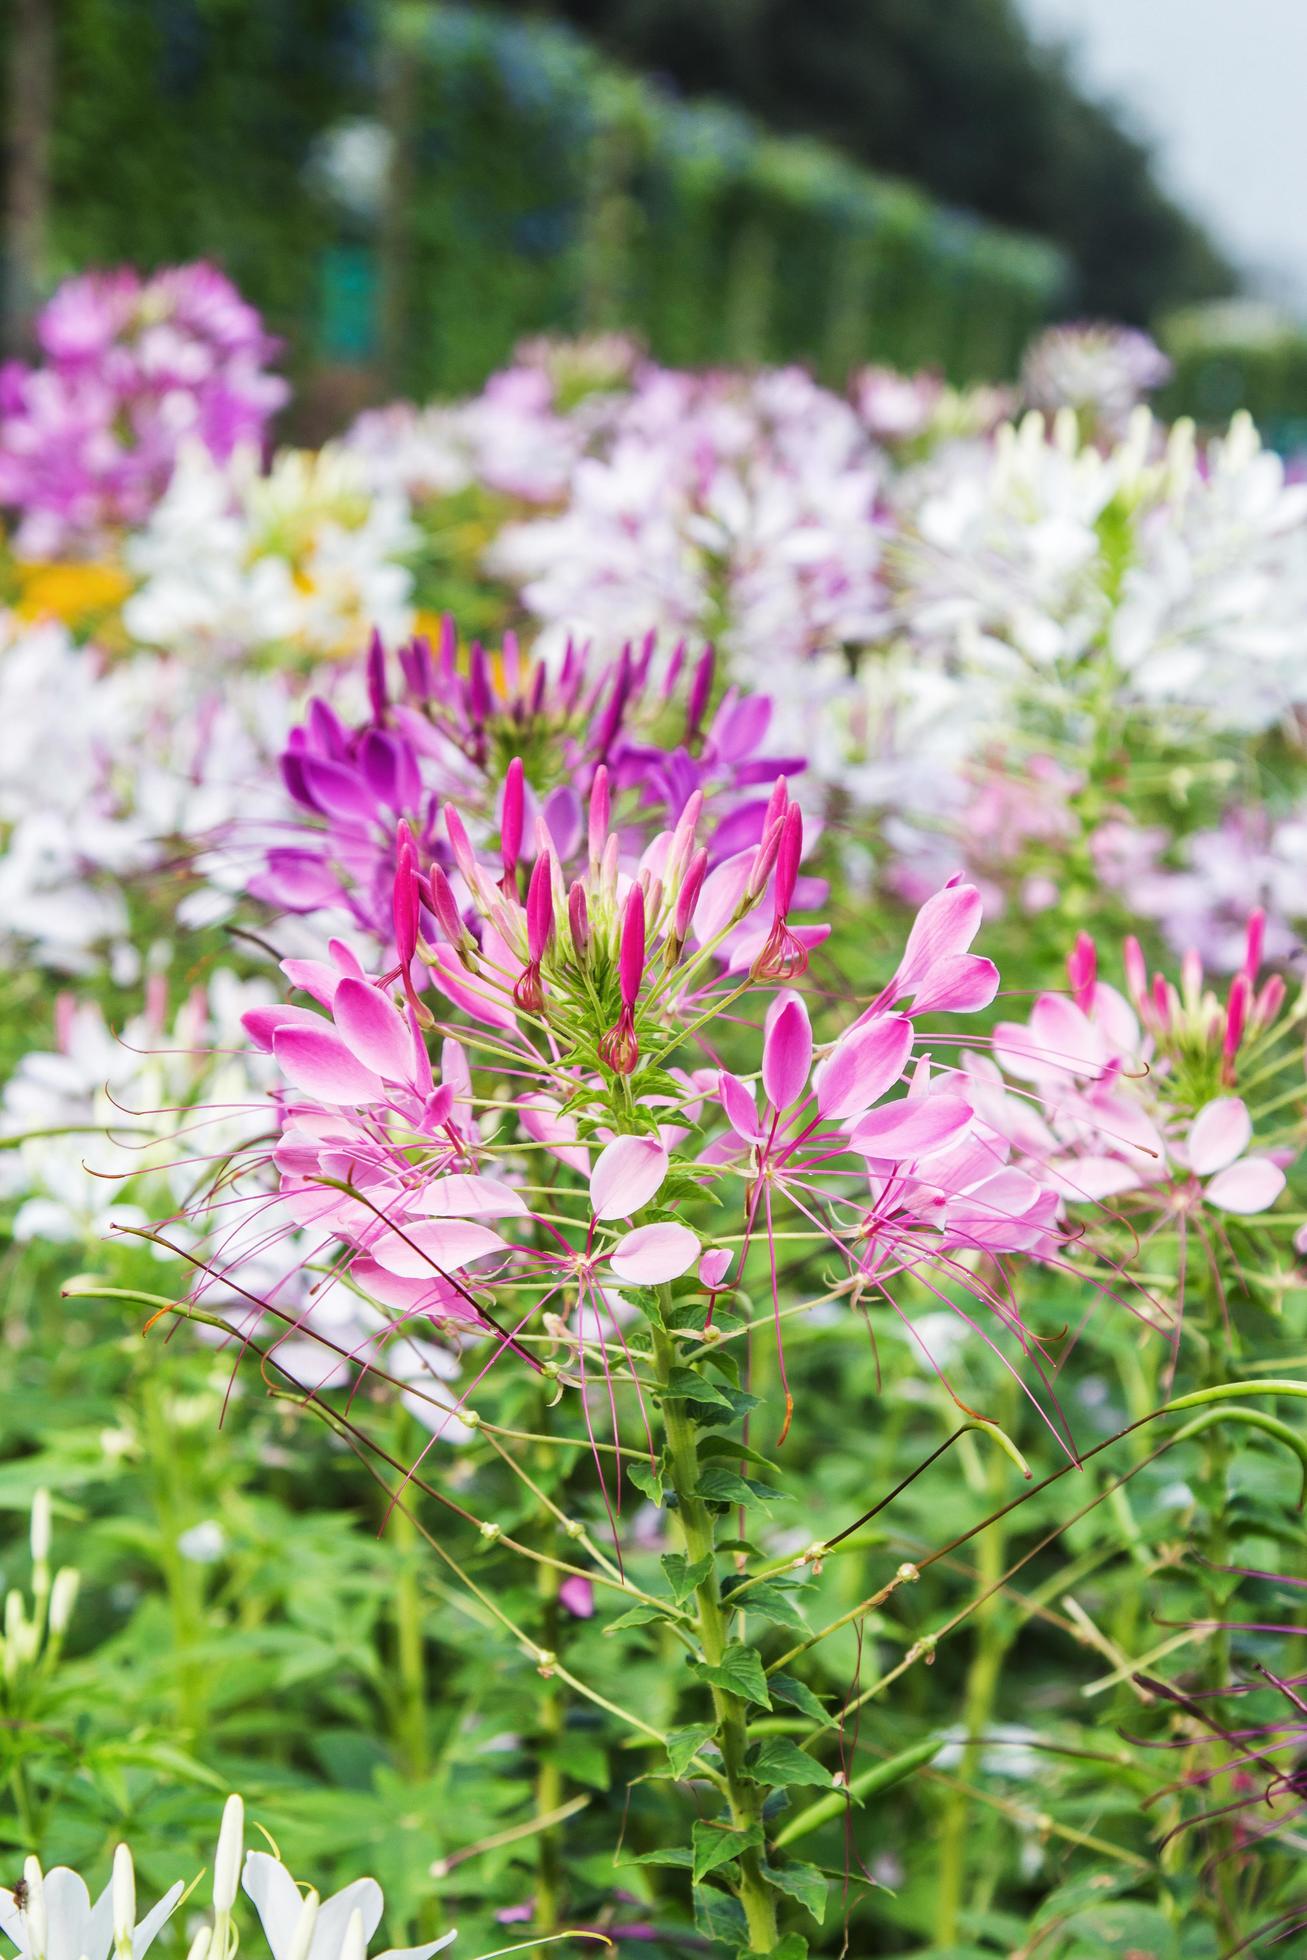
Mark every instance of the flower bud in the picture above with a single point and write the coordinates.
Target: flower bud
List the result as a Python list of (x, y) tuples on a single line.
[(511, 819), (578, 919), (354, 1946), (41, 1528), (539, 909), (1252, 958), (227, 1859), (688, 896), (377, 678), (445, 907), (124, 1900), (1082, 970), (700, 693), (63, 1597), (630, 964), (305, 1924), (600, 810)]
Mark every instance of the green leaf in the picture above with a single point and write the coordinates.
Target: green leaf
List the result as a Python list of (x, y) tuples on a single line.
[(731, 1446), (683, 1577), (719, 1917), (802, 1882), (717, 1844), (785, 1688), (720, 1485), (739, 1672), (637, 1616), (584, 1761), (647, 1477), (684, 1744), (679, 1855), (686, 1385), (792, 1947), (777, 1760), (772, 1604)]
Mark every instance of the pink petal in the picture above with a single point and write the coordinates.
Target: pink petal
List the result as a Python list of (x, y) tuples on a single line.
[(434, 1246), (578, 1596), (960, 984), (626, 1176), (719, 900), (262, 1023), (1221, 1131), (912, 1127), (786, 1050), (863, 1066), (741, 1110), (1087, 1179), (469, 1195), (1064, 1037), (945, 926), (714, 1266), (653, 1254), (1250, 1185), (373, 1030), (317, 1061), (477, 998)]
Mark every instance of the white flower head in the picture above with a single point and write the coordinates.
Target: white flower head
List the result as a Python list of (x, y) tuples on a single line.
[(339, 1928), (51, 1916)]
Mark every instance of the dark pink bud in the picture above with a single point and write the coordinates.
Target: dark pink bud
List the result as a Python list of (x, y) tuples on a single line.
[(1236, 1016), (1269, 1001), (688, 896), (377, 677), (1136, 973), (461, 845), (700, 693), (674, 666), (619, 1050), (630, 963), (445, 906), (763, 862), (406, 894), (599, 814), (540, 908), (1082, 970), (788, 853), (1252, 958), (777, 803), (578, 918), (511, 819), (1161, 1000), (481, 698)]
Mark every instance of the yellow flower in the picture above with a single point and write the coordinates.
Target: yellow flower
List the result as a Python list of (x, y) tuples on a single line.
[(70, 592)]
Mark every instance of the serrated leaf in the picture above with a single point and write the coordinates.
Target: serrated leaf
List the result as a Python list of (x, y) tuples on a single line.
[(730, 1446), (802, 1882), (686, 1385), (716, 1845), (739, 1672), (772, 1604), (785, 1688), (777, 1760), (636, 1616), (717, 1916), (683, 1577), (684, 1744), (646, 1477), (720, 1485)]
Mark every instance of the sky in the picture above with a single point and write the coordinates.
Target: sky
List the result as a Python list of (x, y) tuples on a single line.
[(1220, 89)]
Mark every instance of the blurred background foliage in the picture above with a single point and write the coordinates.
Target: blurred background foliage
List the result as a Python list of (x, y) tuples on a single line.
[(407, 187)]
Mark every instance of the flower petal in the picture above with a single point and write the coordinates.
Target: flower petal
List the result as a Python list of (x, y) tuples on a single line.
[(1248, 1186), (912, 1127), (465, 1194), (317, 1061), (862, 1066), (430, 1247), (626, 1175), (653, 1254), (741, 1109), (786, 1050), (1221, 1131), (368, 1023)]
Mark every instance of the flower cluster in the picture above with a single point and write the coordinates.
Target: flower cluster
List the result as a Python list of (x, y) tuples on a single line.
[(132, 369)]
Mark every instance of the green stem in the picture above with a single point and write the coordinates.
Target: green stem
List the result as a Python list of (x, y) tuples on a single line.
[(744, 1797)]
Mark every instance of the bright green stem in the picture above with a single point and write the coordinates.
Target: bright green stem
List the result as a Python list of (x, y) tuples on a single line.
[(982, 1686), (745, 1798), (410, 1654), (549, 1775)]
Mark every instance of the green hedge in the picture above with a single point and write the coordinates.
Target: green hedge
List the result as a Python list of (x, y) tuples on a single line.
[(547, 189), (1234, 355), (555, 190)]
